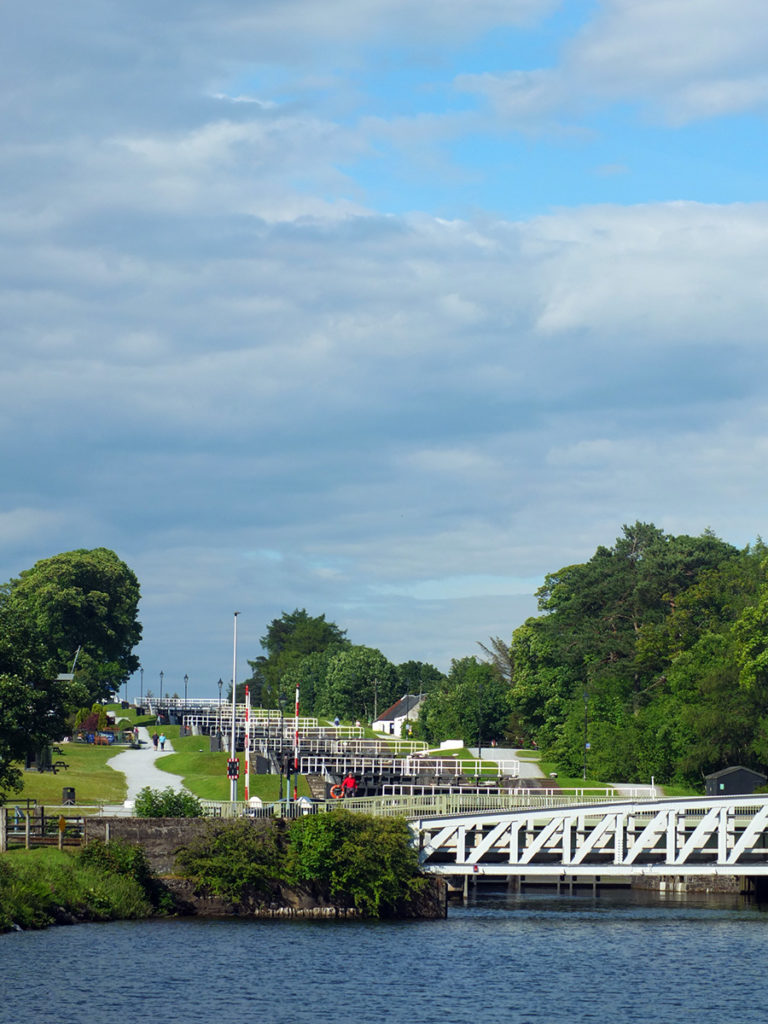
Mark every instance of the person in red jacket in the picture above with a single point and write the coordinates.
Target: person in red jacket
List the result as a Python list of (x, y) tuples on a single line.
[(348, 785)]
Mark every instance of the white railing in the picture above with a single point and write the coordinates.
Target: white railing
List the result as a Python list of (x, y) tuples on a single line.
[(448, 767), (692, 836)]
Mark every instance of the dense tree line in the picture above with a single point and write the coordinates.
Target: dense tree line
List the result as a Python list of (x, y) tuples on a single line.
[(655, 653), (335, 677)]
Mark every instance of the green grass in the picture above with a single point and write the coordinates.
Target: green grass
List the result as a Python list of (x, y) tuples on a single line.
[(43, 857), (205, 773), (88, 773)]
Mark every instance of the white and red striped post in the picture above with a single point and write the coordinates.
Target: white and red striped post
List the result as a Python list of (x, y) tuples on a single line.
[(296, 749), (247, 741)]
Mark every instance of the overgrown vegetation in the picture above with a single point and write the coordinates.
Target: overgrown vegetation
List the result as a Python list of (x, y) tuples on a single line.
[(357, 858), (353, 860), (42, 887), (235, 858)]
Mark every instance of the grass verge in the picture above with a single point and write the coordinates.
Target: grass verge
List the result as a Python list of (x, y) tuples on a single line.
[(88, 774)]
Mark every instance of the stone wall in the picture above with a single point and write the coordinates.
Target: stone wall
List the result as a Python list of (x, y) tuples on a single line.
[(161, 838)]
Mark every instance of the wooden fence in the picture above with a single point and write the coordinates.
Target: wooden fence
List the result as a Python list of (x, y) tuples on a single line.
[(30, 825)]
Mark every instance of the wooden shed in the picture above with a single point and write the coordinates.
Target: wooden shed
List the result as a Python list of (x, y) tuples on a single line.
[(736, 781)]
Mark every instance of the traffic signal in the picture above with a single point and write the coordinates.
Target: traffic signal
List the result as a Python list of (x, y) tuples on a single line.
[(233, 769)]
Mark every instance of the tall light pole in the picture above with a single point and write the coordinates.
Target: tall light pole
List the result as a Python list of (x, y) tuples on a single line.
[(186, 680), (221, 683), (586, 744), (141, 693), (161, 684), (233, 782)]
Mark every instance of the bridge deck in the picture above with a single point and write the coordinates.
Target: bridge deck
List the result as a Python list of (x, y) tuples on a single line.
[(712, 836)]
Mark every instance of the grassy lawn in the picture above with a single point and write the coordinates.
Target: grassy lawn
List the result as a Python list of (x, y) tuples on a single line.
[(88, 773), (205, 774)]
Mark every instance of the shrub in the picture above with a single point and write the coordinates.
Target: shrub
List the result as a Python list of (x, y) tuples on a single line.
[(167, 803), (234, 859), (368, 861)]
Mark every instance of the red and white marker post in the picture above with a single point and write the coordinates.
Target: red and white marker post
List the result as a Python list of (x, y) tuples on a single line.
[(247, 741), (296, 750)]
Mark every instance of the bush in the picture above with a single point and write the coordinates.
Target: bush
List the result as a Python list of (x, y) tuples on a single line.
[(367, 861), (167, 803), (234, 859)]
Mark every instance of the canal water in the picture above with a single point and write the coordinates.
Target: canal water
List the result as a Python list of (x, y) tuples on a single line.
[(499, 960)]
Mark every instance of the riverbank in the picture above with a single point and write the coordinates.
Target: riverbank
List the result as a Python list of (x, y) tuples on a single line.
[(340, 865)]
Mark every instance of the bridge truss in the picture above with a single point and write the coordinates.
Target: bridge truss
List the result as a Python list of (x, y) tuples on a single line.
[(696, 836)]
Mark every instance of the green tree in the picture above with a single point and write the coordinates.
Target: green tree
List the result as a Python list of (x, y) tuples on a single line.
[(288, 639), (360, 683), (614, 627), (32, 715), (418, 677), (77, 607), (472, 704)]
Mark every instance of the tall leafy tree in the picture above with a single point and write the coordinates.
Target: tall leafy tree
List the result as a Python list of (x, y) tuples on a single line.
[(613, 631), (360, 683), (77, 607), (472, 703), (80, 605), (287, 641), (418, 677)]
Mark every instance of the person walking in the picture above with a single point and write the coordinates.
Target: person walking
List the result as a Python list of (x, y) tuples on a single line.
[(155, 739), (162, 741)]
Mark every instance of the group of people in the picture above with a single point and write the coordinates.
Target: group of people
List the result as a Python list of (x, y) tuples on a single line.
[(158, 740)]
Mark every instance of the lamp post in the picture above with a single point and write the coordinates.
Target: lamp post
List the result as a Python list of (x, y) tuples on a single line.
[(220, 684), (141, 685), (586, 744), (233, 782), (161, 684), (186, 680)]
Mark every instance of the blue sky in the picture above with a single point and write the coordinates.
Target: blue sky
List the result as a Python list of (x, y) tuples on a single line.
[(383, 309)]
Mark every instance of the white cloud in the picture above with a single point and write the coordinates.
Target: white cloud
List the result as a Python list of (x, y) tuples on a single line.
[(681, 60)]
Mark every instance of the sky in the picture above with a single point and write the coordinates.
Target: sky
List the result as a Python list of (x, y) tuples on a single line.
[(379, 308)]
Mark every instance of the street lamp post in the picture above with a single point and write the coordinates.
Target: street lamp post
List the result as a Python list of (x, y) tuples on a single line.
[(586, 744), (221, 683), (233, 782), (141, 693), (161, 684), (186, 680)]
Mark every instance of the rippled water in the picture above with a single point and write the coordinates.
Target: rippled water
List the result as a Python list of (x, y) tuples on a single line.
[(524, 959)]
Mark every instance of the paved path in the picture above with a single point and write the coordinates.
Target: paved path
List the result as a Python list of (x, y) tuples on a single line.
[(140, 767), (528, 769)]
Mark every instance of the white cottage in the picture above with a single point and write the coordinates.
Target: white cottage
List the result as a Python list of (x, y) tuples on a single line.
[(394, 721)]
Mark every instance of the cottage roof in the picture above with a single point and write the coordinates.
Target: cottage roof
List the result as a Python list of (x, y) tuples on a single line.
[(401, 708)]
